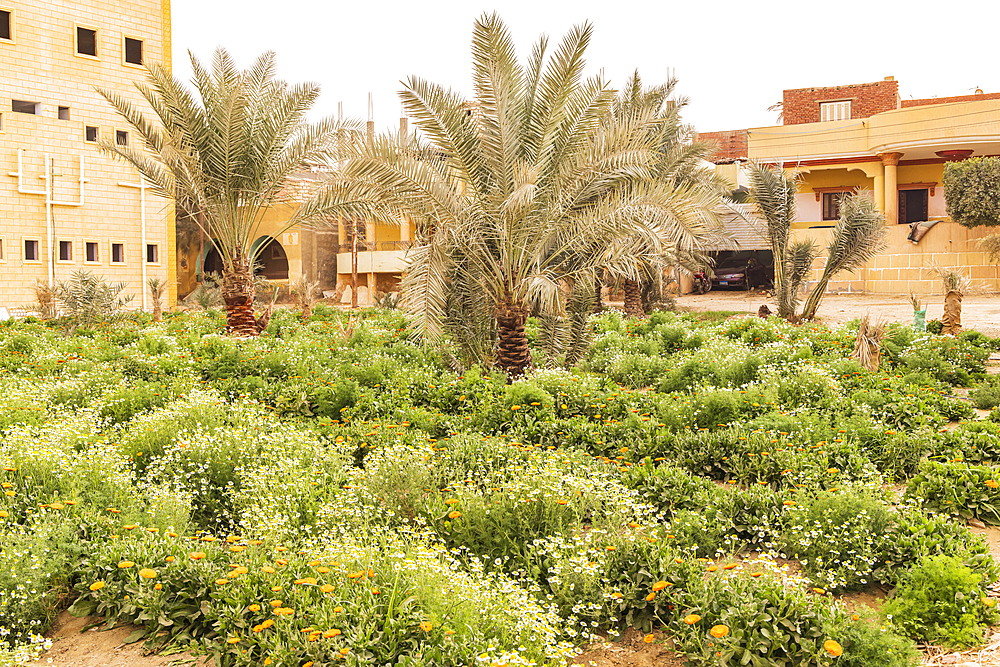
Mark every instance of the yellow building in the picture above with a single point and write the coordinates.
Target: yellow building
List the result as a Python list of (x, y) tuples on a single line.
[(865, 136), (63, 205)]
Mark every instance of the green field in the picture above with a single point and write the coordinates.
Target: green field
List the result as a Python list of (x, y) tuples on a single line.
[(338, 493)]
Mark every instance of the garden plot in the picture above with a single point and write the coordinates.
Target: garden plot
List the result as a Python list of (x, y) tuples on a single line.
[(306, 497)]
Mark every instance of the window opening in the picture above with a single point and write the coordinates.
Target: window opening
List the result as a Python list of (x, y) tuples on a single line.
[(63, 113), (65, 251), (86, 42), (22, 106), (121, 138), (6, 29), (30, 250), (117, 253), (133, 51), (152, 253), (93, 255), (90, 134)]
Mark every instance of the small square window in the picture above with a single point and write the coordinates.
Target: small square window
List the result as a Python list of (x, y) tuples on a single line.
[(65, 251), (152, 253), (121, 138), (133, 51), (91, 134), (31, 250), (23, 106), (63, 113), (86, 41), (93, 253), (6, 25), (117, 253), (831, 205)]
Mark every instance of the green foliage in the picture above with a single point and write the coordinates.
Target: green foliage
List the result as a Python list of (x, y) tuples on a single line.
[(971, 190), (958, 489), (837, 537), (986, 394), (942, 601), (89, 300)]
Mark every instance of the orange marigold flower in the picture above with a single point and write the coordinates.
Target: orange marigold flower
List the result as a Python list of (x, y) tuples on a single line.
[(454, 514), (660, 585), (833, 648), (147, 573), (337, 610), (691, 619), (158, 587), (649, 639), (221, 582), (719, 631), (197, 555), (268, 569), (426, 626), (332, 632), (170, 559), (451, 501), (993, 484), (649, 598), (310, 581), (125, 564), (97, 585), (730, 566), (233, 640)]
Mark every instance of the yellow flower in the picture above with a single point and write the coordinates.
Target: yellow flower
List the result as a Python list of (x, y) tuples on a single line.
[(125, 564), (332, 632), (426, 626), (833, 648), (57, 506), (197, 555), (268, 569), (327, 588), (692, 619), (221, 582), (254, 607), (660, 585), (233, 640), (454, 514), (337, 610), (147, 573), (719, 631), (649, 639), (993, 484), (451, 501), (649, 598), (310, 581), (158, 587), (819, 591), (170, 559), (3, 514), (97, 585), (276, 603)]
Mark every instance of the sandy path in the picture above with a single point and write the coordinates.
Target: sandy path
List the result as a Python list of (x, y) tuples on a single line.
[(981, 312)]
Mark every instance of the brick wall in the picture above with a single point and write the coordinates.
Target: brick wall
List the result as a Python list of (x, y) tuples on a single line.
[(946, 100), (802, 105), (41, 65), (732, 144)]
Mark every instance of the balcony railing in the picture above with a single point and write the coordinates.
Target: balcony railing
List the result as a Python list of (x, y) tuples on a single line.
[(365, 246)]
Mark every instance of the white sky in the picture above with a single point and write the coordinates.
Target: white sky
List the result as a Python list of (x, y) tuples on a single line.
[(732, 57)]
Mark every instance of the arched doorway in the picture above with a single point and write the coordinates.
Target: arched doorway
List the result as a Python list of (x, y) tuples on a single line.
[(272, 262), (212, 262)]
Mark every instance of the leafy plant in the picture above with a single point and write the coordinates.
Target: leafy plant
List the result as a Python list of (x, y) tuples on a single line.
[(941, 601), (89, 300), (959, 489)]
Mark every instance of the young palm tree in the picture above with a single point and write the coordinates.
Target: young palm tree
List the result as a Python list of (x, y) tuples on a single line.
[(857, 237), (519, 195), (226, 155)]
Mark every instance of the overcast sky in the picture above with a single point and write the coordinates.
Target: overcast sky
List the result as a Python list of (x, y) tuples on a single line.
[(732, 57)]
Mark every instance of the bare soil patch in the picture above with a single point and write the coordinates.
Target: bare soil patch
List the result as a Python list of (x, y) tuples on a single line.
[(102, 648), (979, 312)]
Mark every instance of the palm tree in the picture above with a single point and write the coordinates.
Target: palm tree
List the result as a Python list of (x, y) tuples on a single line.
[(517, 196), (226, 156), (858, 236), (681, 164)]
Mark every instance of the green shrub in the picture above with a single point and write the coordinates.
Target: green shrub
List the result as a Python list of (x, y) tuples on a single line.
[(958, 489), (867, 642), (986, 394), (837, 537), (940, 601)]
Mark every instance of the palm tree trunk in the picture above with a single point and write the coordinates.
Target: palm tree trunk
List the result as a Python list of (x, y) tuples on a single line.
[(633, 299), (598, 304), (513, 355), (238, 293)]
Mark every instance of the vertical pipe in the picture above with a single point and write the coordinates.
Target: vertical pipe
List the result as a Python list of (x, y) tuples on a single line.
[(142, 222), (48, 219)]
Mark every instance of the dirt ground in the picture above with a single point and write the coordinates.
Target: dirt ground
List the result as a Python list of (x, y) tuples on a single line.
[(74, 647), (980, 312)]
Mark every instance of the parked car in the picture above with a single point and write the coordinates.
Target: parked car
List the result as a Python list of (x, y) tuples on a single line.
[(742, 272)]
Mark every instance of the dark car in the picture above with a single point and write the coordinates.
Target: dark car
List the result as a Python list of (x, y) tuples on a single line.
[(742, 272)]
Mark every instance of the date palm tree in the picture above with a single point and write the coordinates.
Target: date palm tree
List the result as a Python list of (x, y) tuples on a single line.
[(225, 155), (858, 236), (518, 195)]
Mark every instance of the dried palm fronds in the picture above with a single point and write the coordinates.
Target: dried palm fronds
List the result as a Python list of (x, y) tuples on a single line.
[(954, 280), (915, 301), (867, 346)]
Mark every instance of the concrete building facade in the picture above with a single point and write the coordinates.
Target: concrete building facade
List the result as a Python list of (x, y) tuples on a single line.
[(864, 137), (65, 206)]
